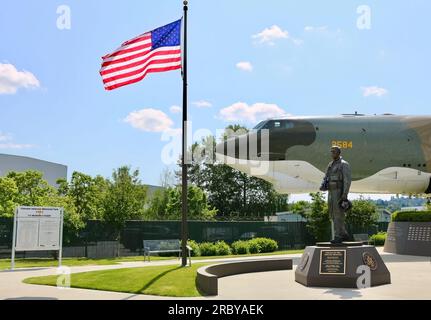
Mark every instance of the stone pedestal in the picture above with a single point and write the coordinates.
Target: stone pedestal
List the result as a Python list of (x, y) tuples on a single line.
[(336, 266), (411, 238)]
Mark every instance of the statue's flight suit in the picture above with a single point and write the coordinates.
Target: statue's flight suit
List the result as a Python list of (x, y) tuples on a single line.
[(339, 178)]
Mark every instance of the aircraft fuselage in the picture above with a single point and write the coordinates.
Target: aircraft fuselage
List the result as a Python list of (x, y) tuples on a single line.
[(387, 153)]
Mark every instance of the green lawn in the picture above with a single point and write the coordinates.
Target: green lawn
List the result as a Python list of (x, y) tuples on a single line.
[(171, 281), (71, 262)]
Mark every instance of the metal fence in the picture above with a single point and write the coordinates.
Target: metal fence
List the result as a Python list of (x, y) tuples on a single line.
[(289, 235)]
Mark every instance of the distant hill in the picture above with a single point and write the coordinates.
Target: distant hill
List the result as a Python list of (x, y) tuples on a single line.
[(395, 203)]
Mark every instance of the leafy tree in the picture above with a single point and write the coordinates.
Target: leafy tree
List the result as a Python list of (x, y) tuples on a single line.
[(198, 208), (318, 218), (125, 197), (233, 193), (87, 194), (300, 207), (33, 190), (8, 197), (157, 205), (362, 214)]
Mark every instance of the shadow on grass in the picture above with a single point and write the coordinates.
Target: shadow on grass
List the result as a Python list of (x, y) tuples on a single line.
[(158, 277)]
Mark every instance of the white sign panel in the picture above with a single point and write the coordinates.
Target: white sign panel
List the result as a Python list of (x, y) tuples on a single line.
[(38, 228)]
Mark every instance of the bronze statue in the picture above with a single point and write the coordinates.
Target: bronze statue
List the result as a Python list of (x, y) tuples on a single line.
[(337, 182)]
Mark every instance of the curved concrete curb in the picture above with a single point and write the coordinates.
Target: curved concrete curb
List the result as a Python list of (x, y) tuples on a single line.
[(207, 277)]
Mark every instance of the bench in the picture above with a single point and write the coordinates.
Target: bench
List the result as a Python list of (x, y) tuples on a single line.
[(164, 246), (207, 276)]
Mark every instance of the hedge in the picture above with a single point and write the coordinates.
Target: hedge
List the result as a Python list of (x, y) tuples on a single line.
[(412, 216), (241, 247), (221, 248), (378, 239)]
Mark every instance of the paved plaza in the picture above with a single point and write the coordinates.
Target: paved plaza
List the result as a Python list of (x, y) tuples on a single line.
[(411, 279)]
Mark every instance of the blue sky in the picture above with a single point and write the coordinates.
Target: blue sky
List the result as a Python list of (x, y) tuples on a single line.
[(247, 59)]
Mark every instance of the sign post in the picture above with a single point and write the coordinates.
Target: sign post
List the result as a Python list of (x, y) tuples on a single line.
[(37, 229)]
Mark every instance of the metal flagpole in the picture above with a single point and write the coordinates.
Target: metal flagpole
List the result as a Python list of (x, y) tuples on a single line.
[(184, 142)]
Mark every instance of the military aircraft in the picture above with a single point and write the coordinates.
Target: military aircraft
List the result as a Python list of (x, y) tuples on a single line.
[(388, 154)]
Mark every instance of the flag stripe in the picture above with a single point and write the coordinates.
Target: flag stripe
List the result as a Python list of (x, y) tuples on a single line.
[(142, 73), (139, 64), (131, 48), (128, 55), (141, 59), (135, 58), (121, 84), (140, 70), (144, 36)]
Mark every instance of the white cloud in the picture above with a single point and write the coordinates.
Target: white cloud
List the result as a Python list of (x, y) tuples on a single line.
[(150, 120), (5, 137), (11, 79), (269, 35), (6, 142), (244, 66), (374, 91), (202, 104), (175, 109), (243, 112)]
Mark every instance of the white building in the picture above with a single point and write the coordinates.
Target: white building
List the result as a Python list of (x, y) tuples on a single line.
[(51, 171)]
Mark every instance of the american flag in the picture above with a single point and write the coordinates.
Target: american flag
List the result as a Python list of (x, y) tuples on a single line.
[(155, 51)]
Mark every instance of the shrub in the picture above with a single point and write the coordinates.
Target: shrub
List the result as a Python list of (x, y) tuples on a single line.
[(412, 216), (378, 239), (240, 247), (222, 248), (208, 249), (266, 244), (196, 251), (254, 246)]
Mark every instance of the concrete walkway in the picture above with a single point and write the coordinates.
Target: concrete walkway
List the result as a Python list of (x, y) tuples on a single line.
[(411, 279)]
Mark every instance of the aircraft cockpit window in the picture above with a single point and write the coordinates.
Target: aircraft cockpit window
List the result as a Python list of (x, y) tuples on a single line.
[(277, 124), (288, 124)]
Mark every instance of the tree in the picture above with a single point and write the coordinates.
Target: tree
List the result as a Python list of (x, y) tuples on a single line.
[(233, 193), (318, 218), (167, 178), (87, 194), (8, 197), (125, 197), (362, 214), (301, 207), (157, 205), (33, 190), (198, 208)]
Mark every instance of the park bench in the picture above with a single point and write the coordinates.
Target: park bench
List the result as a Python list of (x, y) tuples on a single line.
[(164, 246)]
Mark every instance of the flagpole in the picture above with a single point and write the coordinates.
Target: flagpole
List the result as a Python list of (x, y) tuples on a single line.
[(184, 142)]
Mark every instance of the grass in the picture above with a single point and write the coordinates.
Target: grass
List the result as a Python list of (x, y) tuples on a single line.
[(73, 262), (173, 281)]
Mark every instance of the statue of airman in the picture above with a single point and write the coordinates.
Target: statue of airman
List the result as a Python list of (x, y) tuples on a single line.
[(337, 182)]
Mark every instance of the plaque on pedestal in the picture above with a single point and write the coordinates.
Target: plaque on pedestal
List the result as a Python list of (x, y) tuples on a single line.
[(336, 265)]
